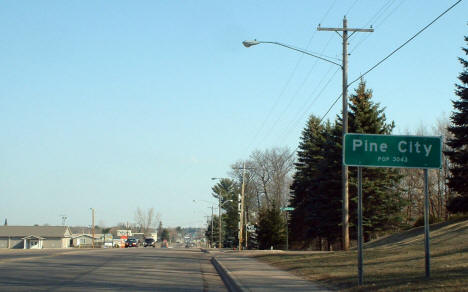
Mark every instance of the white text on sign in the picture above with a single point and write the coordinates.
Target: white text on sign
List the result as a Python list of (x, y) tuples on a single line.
[(403, 147)]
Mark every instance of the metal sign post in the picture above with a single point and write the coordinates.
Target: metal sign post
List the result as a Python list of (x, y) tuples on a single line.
[(286, 209), (426, 225), (360, 259), (371, 150)]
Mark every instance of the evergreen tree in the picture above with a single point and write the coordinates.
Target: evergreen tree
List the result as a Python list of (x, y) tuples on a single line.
[(382, 203), (316, 189), (212, 233), (458, 153), (271, 231), (327, 203), (165, 234), (308, 157), (160, 229), (228, 190)]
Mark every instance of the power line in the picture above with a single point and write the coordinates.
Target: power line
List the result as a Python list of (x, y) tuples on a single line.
[(306, 108), (349, 9), (384, 59), (321, 119), (257, 134), (374, 20), (405, 43), (306, 78)]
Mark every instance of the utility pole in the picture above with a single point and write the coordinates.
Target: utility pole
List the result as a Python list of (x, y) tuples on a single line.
[(64, 219), (219, 211), (208, 226), (212, 230), (241, 215), (344, 169), (92, 226)]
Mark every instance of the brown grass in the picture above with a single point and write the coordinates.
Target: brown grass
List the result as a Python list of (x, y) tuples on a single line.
[(394, 263)]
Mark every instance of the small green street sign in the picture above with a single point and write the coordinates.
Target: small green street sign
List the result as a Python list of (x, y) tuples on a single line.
[(287, 209), (392, 151)]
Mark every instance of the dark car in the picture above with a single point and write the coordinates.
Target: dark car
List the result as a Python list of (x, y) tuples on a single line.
[(131, 242), (149, 242)]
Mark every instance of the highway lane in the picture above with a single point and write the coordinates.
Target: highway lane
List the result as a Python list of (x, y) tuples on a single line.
[(134, 269)]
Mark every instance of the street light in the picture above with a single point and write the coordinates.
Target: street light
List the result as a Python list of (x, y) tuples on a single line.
[(248, 44), (221, 222), (212, 207), (344, 69), (219, 210)]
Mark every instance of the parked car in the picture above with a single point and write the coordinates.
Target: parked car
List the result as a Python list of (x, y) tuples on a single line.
[(149, 242), (131, 242)]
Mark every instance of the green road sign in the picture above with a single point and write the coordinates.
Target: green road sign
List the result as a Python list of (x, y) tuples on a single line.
[(287, 209), (392, 151)]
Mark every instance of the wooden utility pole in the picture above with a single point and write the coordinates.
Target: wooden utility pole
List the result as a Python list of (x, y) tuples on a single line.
[(241, 215), (212, 230), (92, 227), (219, 219), (344, 169)]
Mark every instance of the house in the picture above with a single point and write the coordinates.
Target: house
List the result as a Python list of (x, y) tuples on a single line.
[(84, 240), (26, 237)]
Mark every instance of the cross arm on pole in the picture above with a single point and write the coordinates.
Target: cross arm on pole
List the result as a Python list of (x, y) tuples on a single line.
[(345, 29)]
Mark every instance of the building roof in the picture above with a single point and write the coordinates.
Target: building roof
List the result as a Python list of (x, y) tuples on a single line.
[(33, 237), (40, 231), (84, 230), (96, 236)]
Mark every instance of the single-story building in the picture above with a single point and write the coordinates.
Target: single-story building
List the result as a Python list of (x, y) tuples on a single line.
[(84, 240), (26, 237)]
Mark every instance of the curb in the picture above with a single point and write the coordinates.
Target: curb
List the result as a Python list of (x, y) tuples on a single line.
[(231, 283)]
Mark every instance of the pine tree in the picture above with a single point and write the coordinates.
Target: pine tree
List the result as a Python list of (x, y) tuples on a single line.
[(271, 229), (327, 203), (316, 189), (165, 234), (458, 153), (228, 190), (382, 203), (308, 157)]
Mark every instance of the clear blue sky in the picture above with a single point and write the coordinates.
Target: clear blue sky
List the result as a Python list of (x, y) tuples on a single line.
[(123, 104)]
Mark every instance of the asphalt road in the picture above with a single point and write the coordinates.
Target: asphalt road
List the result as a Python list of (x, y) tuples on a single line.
[(133, 269)]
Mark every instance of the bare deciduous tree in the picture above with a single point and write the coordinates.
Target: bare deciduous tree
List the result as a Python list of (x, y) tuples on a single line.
[(413, 182), (146, 220), (267, 179)]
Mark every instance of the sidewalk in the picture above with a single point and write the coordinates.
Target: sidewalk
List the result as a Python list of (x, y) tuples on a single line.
[(248, 274)]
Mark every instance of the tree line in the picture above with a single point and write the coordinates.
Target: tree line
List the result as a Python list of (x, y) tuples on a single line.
[(309, 181)]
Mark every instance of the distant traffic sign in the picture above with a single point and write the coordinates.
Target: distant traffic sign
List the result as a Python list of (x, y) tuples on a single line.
[(392, 151), (287, 209), (250, 228)]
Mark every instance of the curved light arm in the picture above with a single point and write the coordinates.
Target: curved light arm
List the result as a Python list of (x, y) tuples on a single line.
[(248, 44), (228, 201)]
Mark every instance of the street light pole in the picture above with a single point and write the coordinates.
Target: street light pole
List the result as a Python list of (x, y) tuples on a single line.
[(92, 226), (219, 212), (344, 68), (212, 207), (344, 168), (212, 231), (220, 222), (241, 216)]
